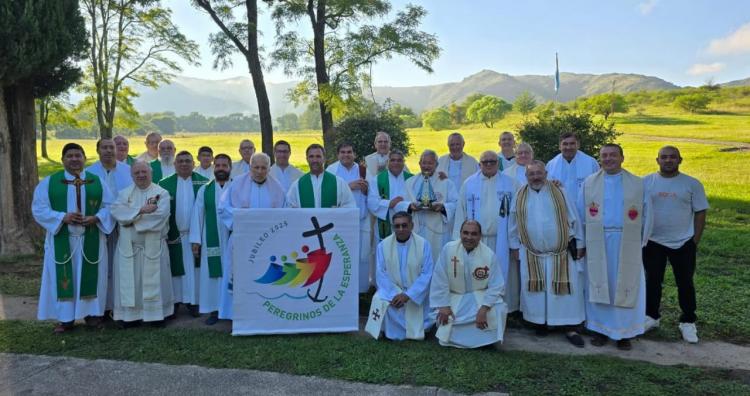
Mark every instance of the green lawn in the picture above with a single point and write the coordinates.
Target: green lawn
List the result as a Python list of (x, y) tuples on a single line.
[(356, 358)]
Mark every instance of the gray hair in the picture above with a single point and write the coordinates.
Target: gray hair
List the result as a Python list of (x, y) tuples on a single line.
[(261, 156), (378, 133), (456, 134), (428, 152), (528, 146)]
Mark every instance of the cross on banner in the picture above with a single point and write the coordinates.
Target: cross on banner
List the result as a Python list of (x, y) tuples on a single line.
[(77, 183), (318, 230), (376, 314)]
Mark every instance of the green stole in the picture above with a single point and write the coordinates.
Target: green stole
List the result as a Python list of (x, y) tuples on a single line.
[(384, 189), (328, 191), (174, 243), (129, 160), (58, 198), (156, 174), (213, 250)]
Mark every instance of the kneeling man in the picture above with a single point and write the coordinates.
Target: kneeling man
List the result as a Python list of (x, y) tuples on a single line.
[(467, 289), (404, 269)]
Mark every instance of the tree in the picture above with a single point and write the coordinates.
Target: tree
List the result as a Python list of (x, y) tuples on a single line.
[(488, 110), (54, 111), (334, 61), (437, 119), (310, 118), (40, 41), (241, 36), (458, 113), (693, 102), (524, 103), (606, 104), (131, 41), (288, 122), (359, 130), (406, 114), (543, 133), (166, 123)]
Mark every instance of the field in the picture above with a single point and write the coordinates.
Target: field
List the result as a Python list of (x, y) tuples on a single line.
[(715, 150)]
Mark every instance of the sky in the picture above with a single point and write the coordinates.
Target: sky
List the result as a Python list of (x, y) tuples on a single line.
[(686, 42)]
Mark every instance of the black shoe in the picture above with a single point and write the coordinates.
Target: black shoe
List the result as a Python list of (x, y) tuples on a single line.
[(193, 309), (541, 331), (212, 319), (157, 324), (598, 340), (624, 344), (575, 339)]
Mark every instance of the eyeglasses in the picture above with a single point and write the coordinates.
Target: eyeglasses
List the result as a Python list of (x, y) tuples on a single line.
[(488, 162), (401, 225)]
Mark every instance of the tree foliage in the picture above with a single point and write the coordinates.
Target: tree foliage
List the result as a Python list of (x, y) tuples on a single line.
[(359, 130), (488, 110), (287, 122), (337, 60), (132, 42), (543, 133), (693, 103), (437, 119), (40, 43), (524, 103), (407, 116), (605, 104)]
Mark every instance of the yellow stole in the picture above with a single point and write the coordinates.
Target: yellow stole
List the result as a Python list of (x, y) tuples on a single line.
[(629, 271)]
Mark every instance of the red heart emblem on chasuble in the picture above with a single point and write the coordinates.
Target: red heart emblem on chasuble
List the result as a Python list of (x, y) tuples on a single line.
[(633, 213), (594, 209)]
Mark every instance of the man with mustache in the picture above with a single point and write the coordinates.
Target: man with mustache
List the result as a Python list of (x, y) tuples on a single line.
[(209, 237), (163, 166), (73, 207)]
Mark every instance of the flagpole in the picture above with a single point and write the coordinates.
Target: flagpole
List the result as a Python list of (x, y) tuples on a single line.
[(557, 82)]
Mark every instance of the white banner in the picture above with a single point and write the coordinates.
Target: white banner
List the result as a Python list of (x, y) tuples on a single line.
[(295, 271)]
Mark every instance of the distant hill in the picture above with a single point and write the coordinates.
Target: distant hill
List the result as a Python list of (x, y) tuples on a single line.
[(235, 95), (737, 83)]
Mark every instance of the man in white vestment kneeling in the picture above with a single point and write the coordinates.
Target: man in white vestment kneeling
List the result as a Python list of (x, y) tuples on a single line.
[(543, 221), (142, 278), (404, 268), (467, 290)]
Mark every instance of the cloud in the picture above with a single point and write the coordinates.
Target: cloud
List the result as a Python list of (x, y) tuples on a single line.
[(647, 6), (736, 43), (701, 68)]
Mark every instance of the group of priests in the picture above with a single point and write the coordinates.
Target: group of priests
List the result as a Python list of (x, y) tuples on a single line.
[(451, 250)]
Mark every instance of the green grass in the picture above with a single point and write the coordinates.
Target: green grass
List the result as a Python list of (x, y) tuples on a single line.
[(356, 358), (722, 264)]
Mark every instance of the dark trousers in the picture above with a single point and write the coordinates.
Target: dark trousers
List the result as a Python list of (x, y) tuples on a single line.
[(683, 267)]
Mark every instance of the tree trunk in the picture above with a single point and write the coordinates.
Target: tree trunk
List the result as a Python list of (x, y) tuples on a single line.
[(43, 125), (322, 79), (18, 170), (256, 72)]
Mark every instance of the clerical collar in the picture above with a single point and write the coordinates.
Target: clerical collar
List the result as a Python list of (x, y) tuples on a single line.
[(260, 183)]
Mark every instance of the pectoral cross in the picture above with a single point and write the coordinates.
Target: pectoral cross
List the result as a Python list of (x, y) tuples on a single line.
[(454, 260), (376, 314), (473, 201), (77, 183)]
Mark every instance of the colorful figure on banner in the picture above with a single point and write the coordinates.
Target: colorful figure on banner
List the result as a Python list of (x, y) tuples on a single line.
[(308, 269)]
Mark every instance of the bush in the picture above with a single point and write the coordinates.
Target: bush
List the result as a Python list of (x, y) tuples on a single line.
[(437, 119), (692, 102), (543, 133), (360, 129), (488, 110)]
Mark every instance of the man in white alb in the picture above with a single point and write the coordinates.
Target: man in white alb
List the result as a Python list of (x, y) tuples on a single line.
[(284, 172)]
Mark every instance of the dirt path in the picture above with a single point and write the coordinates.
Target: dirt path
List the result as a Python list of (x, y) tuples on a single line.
[(714, 354), (736, 146)]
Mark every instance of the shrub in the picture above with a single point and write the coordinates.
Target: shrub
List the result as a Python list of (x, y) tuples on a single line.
[(360, 129), (543, 133)]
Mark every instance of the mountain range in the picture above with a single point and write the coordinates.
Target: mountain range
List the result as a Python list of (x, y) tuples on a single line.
[(235, 95)]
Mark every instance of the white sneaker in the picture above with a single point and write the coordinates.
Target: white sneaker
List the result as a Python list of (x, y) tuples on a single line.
[(689, 332), (650, 324)]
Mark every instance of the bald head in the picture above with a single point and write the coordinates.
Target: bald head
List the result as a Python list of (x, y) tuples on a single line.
[(141, 174)]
